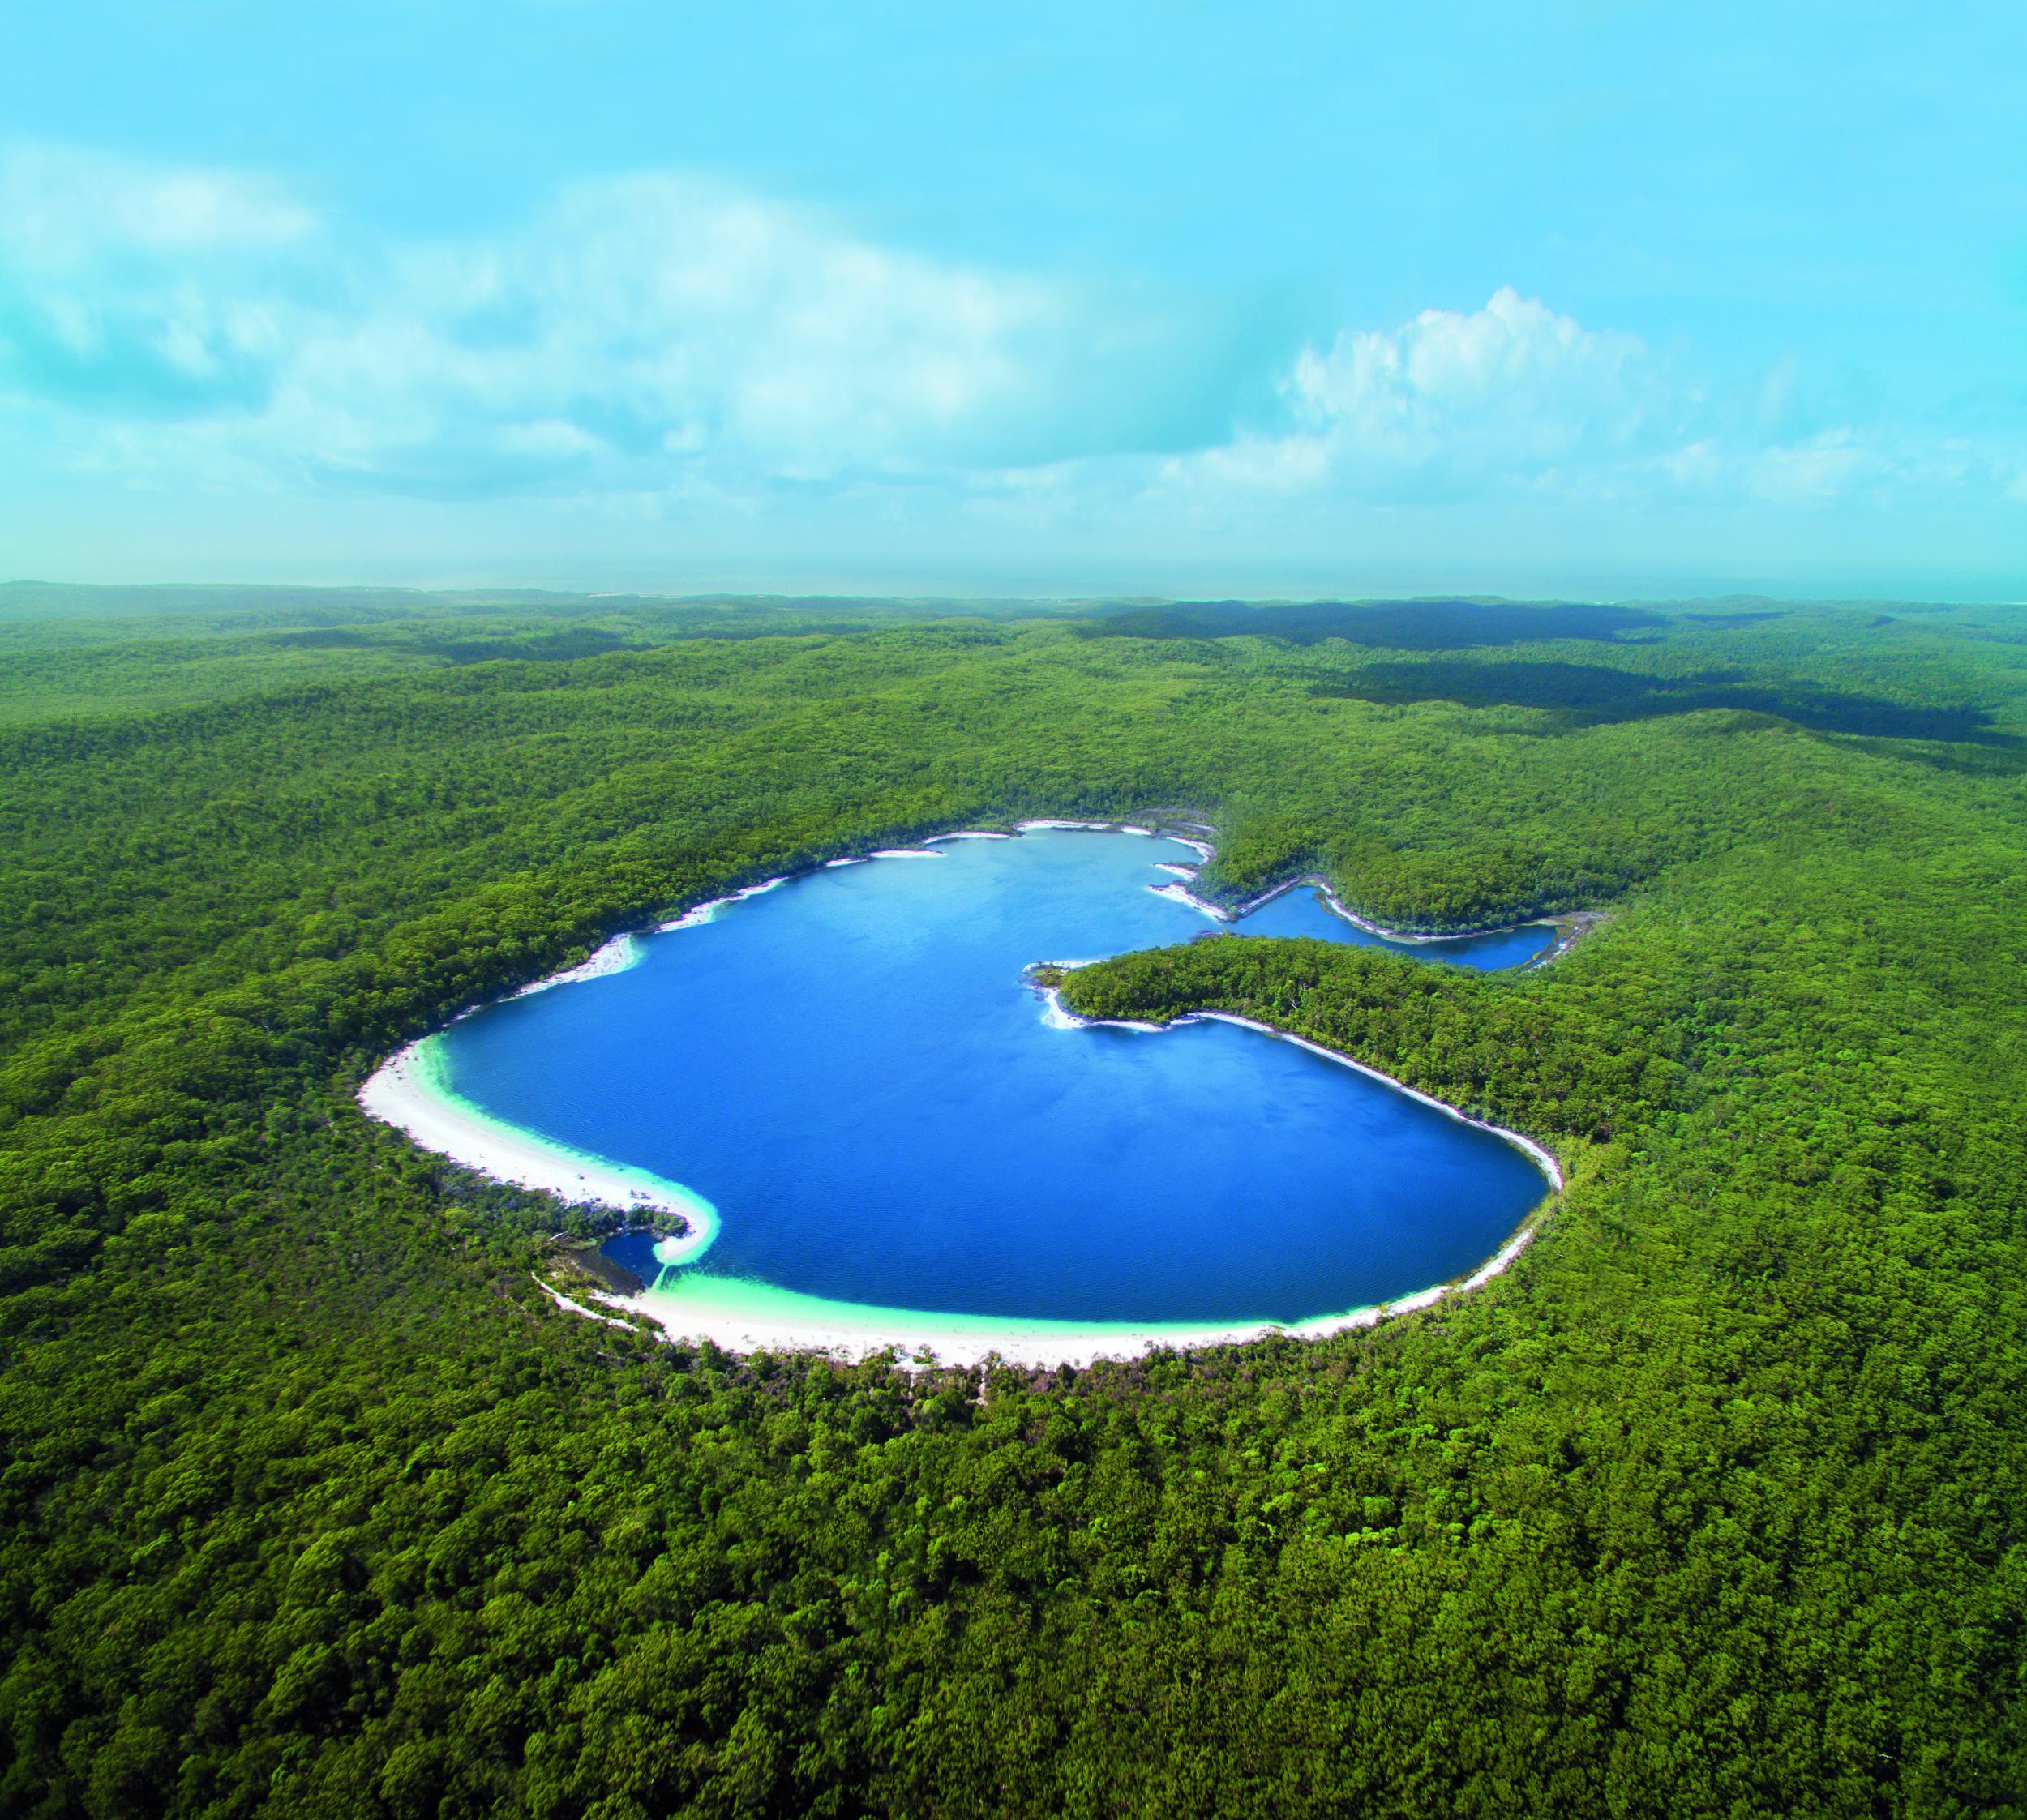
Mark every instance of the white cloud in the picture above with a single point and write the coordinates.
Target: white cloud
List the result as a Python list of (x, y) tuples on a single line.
[(1454, 401), (1518, 401), (646, 323), (65, 205), (1515, 371), (659, 337)]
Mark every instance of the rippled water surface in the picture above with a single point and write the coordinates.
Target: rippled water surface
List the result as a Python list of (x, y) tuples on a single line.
[(850, 1068)]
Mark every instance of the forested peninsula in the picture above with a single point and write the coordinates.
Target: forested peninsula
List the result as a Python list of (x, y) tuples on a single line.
[(313, 1502)]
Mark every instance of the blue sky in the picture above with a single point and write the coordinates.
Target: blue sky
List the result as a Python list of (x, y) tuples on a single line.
[(1279, 299)]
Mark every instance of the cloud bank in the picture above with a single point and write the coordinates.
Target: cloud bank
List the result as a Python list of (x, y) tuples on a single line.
[(647, 332), (677, 344)]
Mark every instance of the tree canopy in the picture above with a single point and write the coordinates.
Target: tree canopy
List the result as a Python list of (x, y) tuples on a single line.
[(311, 1501)]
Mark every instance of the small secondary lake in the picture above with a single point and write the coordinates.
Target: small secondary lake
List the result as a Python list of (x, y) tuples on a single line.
[(851, 1070), (1302, 912)]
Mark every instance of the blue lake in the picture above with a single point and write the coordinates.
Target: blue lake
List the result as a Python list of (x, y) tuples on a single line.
[(851, 1070)]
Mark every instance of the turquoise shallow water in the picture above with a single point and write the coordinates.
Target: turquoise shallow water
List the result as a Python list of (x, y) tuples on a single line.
[(851, 1069)]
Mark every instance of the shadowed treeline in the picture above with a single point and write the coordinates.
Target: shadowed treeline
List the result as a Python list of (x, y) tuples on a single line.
[(1596, 694)]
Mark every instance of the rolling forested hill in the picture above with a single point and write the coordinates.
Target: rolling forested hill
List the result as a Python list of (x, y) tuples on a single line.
[(311, 1503)]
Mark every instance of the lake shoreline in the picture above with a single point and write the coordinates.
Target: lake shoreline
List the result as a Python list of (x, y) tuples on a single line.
[(410, 1091), (1405, 938), (742, 1317), (1568, 925)]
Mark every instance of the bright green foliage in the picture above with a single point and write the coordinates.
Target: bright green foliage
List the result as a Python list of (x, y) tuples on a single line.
[(311, 1503)]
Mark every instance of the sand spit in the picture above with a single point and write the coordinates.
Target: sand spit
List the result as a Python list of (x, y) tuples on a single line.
[(616, 956), (1186, 875), (1182, 894), (692, 918), (412, 1092), (697, 916)]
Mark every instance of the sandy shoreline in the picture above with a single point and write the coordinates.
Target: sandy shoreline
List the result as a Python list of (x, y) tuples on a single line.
[(1543, 1159), (742, 1316), (412, 1092), (616, 956), (1181, 893), (1059, 1017), (698, 914)]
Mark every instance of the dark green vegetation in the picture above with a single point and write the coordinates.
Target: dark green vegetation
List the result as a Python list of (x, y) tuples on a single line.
[(312, 1504)]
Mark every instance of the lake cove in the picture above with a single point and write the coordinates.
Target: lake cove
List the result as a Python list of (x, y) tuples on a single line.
[(1306, 909), (882, 1134)]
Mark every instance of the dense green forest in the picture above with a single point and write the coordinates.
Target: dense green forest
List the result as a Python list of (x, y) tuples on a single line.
[(311, 1503)]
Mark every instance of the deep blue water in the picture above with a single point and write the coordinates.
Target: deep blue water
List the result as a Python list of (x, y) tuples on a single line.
[(851, 1070)]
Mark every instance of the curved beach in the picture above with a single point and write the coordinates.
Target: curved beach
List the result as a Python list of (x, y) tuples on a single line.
[(412, 1092), (747, 1316)]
